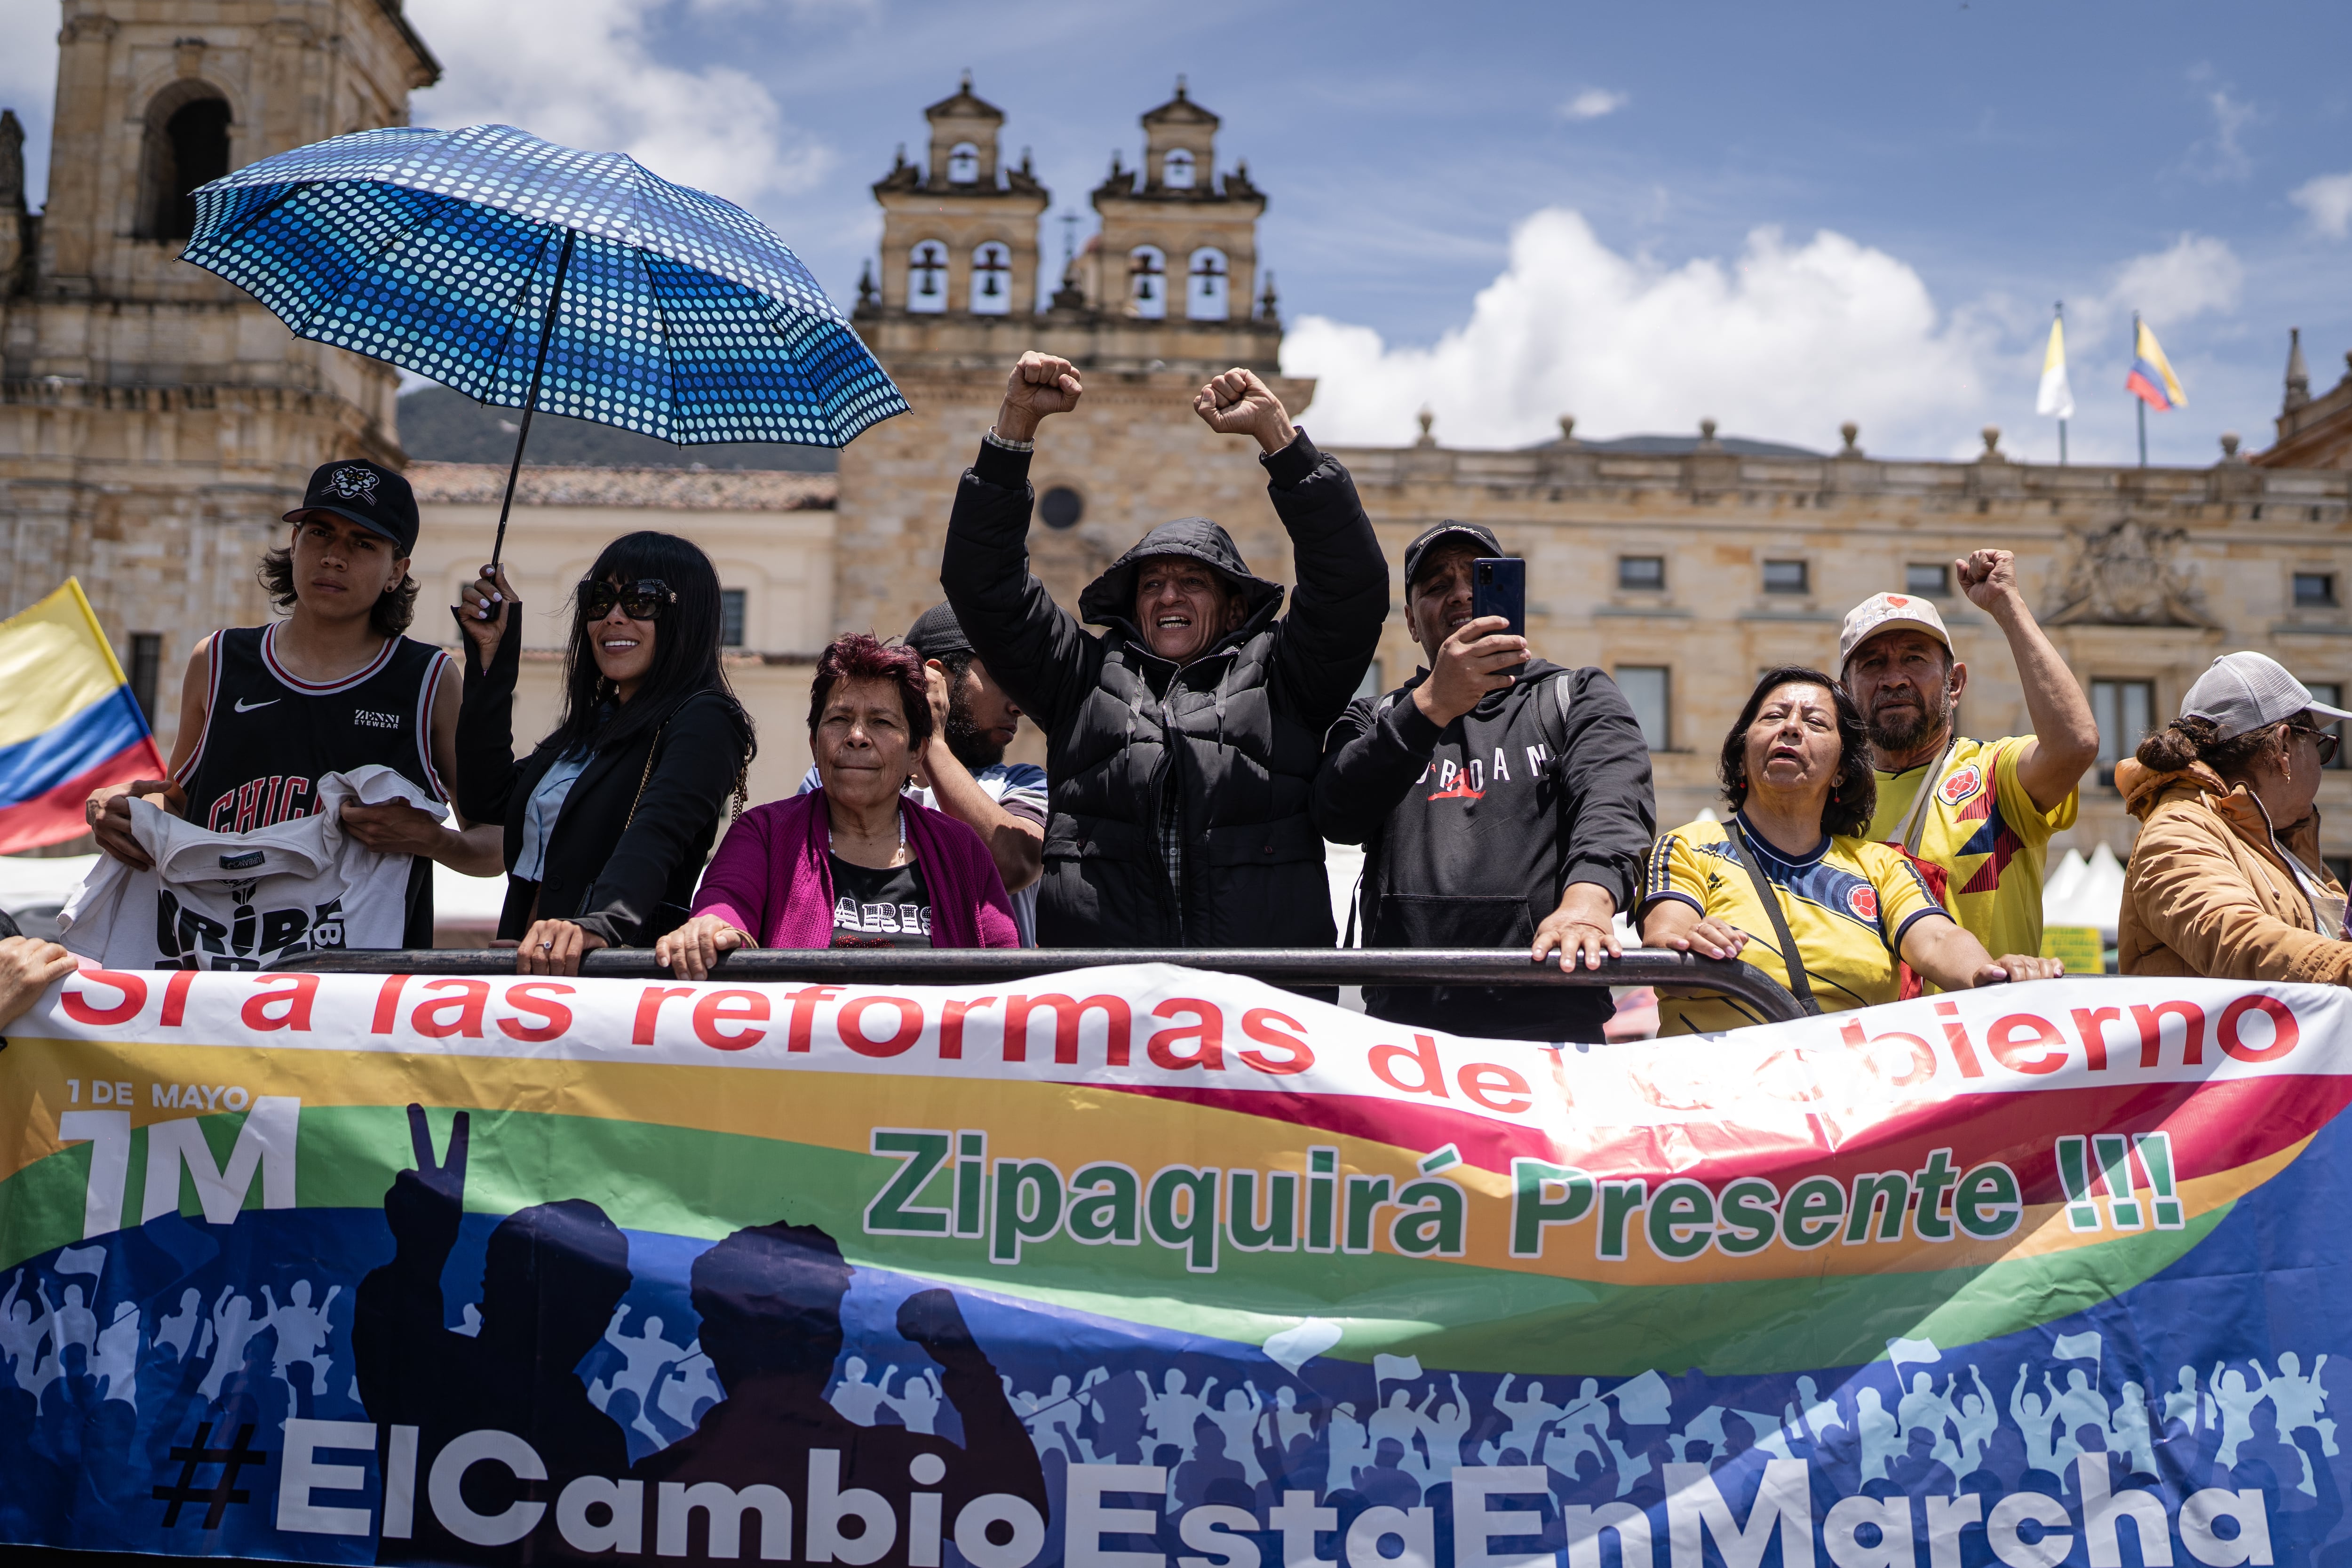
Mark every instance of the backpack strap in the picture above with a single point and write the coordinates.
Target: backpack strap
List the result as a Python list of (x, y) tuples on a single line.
[(1801, 986)]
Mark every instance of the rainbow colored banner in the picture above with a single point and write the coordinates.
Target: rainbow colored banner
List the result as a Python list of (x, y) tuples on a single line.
[(1148, 1268), (69, 723)]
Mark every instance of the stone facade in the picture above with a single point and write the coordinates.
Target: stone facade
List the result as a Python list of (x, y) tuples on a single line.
[(154, 421), (153, 424)]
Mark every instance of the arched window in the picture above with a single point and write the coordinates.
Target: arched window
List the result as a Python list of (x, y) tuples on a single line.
[(187, 144), (992, 280), (1147, 283), (1176, 170), (964, 165), (927, 278), (1204, 299)]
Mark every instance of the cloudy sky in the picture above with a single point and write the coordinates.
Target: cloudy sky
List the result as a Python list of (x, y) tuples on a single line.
[(1778, 216)]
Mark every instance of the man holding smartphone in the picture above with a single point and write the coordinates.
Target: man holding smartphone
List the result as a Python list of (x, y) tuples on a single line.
[(1501, 800)]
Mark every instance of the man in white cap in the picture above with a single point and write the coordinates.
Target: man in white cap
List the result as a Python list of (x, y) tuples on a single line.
[(1982, 811)]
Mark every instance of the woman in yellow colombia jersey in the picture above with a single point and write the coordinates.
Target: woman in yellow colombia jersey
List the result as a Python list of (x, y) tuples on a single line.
[(1796, 769)]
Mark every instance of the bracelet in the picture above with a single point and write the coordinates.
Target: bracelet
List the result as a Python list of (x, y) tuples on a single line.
[(993, 439)]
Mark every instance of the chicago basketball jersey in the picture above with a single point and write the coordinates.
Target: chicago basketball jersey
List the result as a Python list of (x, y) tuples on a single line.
[(270, 736)]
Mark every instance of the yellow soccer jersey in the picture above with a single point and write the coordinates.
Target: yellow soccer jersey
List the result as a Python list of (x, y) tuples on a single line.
[(1847, 904), (1986, 834)]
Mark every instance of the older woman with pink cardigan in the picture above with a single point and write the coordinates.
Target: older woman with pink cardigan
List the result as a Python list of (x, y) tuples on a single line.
[(854, 863)]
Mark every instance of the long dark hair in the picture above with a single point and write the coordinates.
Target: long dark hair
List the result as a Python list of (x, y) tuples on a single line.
[(686, 647), (1853, 795)]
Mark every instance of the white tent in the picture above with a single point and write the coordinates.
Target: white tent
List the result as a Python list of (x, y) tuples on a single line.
[(2085, 891)]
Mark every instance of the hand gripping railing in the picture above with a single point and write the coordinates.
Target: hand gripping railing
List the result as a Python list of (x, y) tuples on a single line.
[(980, 966)]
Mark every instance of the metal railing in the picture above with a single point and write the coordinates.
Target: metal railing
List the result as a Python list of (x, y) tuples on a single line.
[(980, 966)]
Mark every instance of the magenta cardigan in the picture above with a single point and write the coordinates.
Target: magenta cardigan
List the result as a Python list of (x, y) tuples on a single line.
[(771, 878)]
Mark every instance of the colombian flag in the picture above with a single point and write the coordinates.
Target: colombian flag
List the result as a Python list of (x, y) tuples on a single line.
[(68, 722), (2151, 379)]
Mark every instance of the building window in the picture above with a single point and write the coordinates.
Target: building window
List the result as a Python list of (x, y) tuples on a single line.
[(730, 617), (2314, 590), (926, 278), (964, 165), (1176, 170), (1147, 283), (185, 145), (1786, 577), (1647, 688), (2126, 712), (1204, 300), (2332, 693), (1061, 507), (1642, 574), (1928, 579), (992, 280), (147, 666)]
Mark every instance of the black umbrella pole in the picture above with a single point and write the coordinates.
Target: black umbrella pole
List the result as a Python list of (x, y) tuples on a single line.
[(531, 403)]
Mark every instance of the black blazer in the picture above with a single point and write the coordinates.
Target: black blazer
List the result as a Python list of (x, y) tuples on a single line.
[(628, 878)]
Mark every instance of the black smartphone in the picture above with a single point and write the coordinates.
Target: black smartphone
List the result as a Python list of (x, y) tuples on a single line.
[(1498, 587)]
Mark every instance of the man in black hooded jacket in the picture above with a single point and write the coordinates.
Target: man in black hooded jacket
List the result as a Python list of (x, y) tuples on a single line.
[(1502, 800), (1182, 741)]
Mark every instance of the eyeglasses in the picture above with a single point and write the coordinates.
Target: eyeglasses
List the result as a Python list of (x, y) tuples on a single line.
[(643, 600), (2328, 742)]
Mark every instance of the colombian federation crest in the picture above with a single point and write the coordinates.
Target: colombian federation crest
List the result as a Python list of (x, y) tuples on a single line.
[(1961, 786), (1862, 899)]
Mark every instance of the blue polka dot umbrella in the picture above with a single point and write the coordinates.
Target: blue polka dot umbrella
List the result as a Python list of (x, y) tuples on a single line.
[(537, 277)]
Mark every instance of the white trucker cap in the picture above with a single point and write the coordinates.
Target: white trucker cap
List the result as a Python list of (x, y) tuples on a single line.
[(2244, 691), (1881, 612)]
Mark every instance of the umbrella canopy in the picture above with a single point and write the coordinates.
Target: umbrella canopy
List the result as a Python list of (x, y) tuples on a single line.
[(537, 277)]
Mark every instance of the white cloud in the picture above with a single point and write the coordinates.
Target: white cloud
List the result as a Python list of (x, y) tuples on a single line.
[(1785, 341), (2328, 200), (2197, 274), (2223, 156), (1593, 102), (583, 72)]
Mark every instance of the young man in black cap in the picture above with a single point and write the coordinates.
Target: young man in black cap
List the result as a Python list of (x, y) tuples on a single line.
[(1501, 801), (267, 712), (963, 768)]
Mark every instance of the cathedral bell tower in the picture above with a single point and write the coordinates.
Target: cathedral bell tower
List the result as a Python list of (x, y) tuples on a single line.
[(155, 421), (1162, 298)]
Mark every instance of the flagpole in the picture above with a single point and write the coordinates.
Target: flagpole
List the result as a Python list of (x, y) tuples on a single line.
[(2062, 419), (2137, 401)]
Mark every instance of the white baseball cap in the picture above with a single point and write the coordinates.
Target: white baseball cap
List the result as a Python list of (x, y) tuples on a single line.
[(1882, 612), (2244, 692)]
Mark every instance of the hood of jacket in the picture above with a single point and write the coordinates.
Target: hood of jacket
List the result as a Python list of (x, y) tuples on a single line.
[(2144, 789), (1109, 599)]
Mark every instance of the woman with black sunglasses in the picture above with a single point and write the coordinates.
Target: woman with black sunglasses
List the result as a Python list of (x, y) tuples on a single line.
[(609, 819)]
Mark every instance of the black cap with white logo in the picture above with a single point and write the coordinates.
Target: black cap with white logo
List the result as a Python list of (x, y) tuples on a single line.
[(368, 494), (1446, 532)]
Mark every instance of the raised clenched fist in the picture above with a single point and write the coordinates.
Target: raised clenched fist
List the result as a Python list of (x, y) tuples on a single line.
[(1988, 576), (1039, 385), (1239, 402)]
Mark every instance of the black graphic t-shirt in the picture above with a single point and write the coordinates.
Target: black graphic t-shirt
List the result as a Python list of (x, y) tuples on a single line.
[(889, 908)]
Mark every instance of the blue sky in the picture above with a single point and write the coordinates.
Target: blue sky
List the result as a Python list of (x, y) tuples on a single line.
[(1777, 217)]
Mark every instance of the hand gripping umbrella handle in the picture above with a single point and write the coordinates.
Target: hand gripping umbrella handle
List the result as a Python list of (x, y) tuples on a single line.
[(531, 403)]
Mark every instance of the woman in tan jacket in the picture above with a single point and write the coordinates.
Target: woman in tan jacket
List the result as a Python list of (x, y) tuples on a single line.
[(2225, 880)]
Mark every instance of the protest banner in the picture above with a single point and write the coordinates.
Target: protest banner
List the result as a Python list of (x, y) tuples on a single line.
[(1150, 1268)]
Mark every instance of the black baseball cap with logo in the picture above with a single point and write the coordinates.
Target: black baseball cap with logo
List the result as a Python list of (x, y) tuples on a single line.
[(366, 493), (1444, 533)]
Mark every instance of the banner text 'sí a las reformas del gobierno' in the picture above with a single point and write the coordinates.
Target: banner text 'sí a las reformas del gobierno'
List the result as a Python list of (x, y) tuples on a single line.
[(1147, 1267)]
